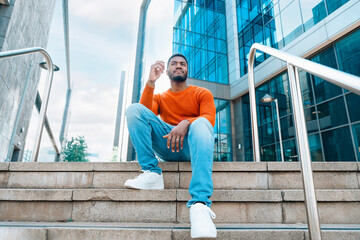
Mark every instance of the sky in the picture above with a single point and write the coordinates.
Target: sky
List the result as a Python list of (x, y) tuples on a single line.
[(102, 44)]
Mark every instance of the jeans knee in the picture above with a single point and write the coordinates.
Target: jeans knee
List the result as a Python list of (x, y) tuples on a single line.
[(133, 111), (201, 126)]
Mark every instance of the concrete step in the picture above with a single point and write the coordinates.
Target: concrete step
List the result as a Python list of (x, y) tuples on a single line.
[(169, 206), (158, 231), (231, 175)]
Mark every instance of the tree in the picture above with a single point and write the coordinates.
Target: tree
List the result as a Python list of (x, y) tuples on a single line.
[(75, 150)]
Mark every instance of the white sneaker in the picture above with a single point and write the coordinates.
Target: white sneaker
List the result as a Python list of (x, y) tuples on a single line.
[(146, 180), (202, 225)]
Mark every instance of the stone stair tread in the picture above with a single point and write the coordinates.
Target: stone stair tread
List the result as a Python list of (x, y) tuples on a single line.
[(175, 166), (285, 195), (159, 231)]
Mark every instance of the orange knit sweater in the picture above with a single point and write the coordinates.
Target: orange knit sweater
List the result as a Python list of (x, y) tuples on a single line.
[(173, 107)]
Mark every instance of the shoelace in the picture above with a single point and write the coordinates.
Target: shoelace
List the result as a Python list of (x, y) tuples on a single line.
[(212, 214), (143, 173)]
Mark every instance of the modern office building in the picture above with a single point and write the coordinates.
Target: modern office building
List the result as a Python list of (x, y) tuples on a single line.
[(216, 36), (23, 24)]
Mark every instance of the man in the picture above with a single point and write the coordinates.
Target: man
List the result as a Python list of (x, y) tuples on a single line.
[(184, 132)]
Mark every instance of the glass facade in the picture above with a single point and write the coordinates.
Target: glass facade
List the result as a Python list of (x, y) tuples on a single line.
[(276, 23), (200, 34), (222, 131), (331, 113)]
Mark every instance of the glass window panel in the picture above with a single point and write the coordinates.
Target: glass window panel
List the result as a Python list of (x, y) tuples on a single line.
[(266, 134), (311, 120), (332, 113), (338, 145), (353, 103), (284, 3), (315, 147), (290, 152), (332, 5), (323, 89), (306, 89), (268, 153), (287, 127), (291, 22), (348, 52), (312, 12), (356, 133)]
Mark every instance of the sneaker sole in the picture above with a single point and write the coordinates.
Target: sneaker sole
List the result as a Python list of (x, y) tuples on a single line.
[(150, 188)]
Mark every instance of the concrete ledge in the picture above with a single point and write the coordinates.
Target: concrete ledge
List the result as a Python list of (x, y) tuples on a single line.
[(51, 167), (124, 195), (132, 166), (124, 211), (8, 233), (229, 167), (238, 195), (50, 180), (324, 195), (316, 166), (4, 166), (35, 195)]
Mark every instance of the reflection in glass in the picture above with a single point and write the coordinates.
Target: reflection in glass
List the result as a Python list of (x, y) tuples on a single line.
[(338, 145), (332, 5), (312, 12), (287, 127), (311, 120), (332, 113), (290, 152), (323, 89), (356, 133), (268, 153), (348, 52), (353, 102), (315, 147), (291, 22)]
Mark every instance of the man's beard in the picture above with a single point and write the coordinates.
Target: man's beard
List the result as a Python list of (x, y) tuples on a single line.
[(178, 78)]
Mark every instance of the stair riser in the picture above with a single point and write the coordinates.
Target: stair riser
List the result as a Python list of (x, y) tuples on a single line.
[(163, 234), (170, 212), (222, 180)]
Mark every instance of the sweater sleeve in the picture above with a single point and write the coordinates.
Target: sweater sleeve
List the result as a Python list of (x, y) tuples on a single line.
[(149, 100), (207, 107)]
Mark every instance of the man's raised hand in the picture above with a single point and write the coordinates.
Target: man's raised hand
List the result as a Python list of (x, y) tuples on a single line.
[(156, 70)]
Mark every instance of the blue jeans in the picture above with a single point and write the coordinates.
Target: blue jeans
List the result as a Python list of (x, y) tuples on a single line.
[(147, 130)]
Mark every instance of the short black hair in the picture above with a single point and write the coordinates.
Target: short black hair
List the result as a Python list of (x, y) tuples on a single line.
[(177, 55)]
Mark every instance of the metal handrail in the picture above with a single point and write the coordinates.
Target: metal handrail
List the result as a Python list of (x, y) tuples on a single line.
[(341, 79), (47, 90)]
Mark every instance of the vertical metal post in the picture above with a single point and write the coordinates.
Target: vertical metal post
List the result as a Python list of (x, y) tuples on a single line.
[(279, 127), (44, 106), (304, 152), (254, 123)]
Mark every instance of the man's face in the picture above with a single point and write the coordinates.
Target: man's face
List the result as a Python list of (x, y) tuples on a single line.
[(177, 69)]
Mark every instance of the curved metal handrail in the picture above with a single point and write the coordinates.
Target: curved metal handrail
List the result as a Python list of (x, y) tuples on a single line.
[(47, 90), (341, 79)]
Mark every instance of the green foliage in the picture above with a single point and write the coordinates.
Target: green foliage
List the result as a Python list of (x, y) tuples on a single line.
[(75, 150)]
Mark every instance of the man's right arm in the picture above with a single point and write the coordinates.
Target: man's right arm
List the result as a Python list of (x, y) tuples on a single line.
[(147, 98)]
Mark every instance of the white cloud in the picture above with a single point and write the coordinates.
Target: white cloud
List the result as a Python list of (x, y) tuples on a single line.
[(110, 13)]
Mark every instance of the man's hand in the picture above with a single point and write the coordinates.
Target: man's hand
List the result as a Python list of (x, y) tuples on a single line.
[(177, 135), (156, 70)]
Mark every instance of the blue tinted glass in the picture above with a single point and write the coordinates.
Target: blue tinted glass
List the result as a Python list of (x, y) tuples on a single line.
[(348, 52), (287, 127), (332, 5), (311, 120), (312, 12), (336, 150), (306, 89), (266, 134), (356, 133), (290, 152), (353, 102), (332, 113), (323, 89), (268, 153), (291, 22), (315, 147)]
